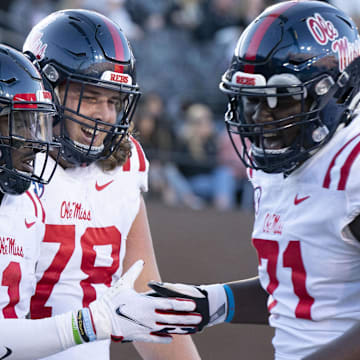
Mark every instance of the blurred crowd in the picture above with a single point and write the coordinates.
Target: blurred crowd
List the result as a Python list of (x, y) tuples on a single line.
[(182, 48)]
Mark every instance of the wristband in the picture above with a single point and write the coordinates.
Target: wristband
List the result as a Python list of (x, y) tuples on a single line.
[(75, 330), (83, 330), (86, 328), (231, 303)]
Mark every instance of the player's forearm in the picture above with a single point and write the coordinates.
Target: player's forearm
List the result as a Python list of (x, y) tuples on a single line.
[(346, 347), (250, 302), (34, 339), (182, 347)]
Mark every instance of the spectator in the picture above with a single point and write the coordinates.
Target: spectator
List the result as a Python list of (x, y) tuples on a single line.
[(157, 139), (202, 176), (216, 15), (116, 11), (24, 14), (227, 156)]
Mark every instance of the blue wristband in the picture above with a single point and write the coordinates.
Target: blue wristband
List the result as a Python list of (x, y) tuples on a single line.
[(231, 303), (89, 329)]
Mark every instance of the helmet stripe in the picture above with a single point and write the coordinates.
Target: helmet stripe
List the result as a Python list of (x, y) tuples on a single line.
[(118, 44), (261, 31)]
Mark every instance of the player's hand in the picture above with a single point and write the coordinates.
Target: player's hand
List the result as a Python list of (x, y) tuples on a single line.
[(211, 300), (131, 316)]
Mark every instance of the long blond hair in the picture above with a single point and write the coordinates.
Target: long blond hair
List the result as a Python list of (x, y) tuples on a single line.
[(119, 156)]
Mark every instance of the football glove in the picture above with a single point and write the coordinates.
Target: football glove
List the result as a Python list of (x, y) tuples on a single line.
[(211, 301), (126, 315)]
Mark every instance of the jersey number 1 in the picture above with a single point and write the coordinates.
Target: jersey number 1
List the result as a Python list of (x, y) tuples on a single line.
[(11, 278)]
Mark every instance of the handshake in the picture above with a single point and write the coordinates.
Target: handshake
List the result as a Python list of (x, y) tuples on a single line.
[(126, 315)]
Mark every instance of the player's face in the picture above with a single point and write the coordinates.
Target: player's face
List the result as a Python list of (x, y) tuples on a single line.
[(275, 135), (97, 103), (22, 156)]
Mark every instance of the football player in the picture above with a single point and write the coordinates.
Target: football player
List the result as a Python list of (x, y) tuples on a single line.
[(26, 116), (96, 221), (293, 89)]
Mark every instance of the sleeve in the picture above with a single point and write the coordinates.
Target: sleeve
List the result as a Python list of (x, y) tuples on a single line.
[(34, 339)]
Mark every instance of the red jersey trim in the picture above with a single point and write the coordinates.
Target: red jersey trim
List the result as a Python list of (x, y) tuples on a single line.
[(141, 156), (345, 170), (126, 166), (36, 206), (42, 208), (327, 179), (34, 203)]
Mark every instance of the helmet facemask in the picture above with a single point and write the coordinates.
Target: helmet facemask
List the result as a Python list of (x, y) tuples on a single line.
[(279, 143), (25, 130), (77, 94)]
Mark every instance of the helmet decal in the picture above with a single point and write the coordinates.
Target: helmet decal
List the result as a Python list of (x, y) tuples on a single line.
[(116, 77), (34, 42), (347, 51), (324, 31), (28, 100), (242, 78), (25, 101), (321, 30), (44, 96), (36, 45)]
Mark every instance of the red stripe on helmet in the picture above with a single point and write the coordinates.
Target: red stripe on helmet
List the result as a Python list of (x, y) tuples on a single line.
[(118, 44), (119, 68), (261, 31)]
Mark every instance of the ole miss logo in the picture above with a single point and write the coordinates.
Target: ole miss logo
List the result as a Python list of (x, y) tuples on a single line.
[(116, 77), (244, 80), (324, 31)]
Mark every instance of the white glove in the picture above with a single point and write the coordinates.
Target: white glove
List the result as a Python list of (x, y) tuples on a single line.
[(211, 300), (126, 315)]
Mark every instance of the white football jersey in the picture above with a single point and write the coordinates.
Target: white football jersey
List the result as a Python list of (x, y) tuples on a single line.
[(22, 226), (89, 215), (309, 262)]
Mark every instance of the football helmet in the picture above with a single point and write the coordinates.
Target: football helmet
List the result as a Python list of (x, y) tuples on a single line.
[(85, 48), (297, 55), (26, 116)]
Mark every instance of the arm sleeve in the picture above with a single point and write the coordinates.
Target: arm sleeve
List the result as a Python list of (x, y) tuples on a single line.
[(34, 339)]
